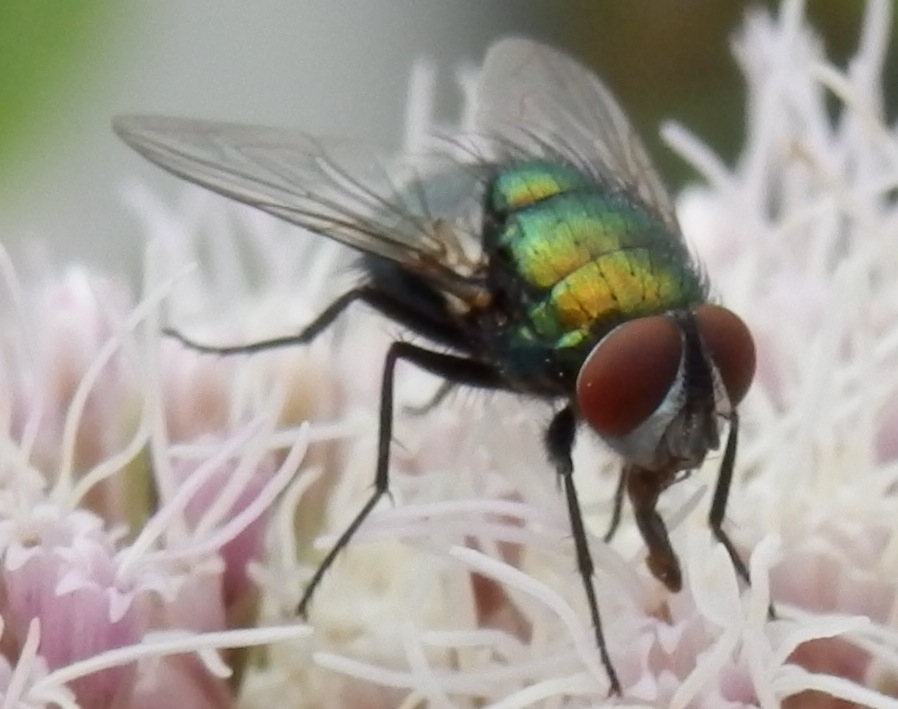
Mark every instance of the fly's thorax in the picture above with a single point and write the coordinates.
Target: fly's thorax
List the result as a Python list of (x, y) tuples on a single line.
[(655, 388), (515, 187)]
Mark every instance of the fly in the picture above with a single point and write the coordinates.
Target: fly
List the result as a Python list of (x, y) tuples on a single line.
[(581, 293)]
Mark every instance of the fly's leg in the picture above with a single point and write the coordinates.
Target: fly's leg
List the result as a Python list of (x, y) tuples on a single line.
[(455, 369), (438, 398), (309, 333), (450, 367), (644, 487), (559, 443), (722, 494), (719, 502), (618, 505)]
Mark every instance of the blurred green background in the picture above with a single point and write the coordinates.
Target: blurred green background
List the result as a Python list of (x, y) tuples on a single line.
[(325, 66)]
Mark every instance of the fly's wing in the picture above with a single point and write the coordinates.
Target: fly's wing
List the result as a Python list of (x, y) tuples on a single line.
[(353, 194), (531, 97)]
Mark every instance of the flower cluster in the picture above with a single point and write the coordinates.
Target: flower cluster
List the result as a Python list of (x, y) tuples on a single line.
[(138, 482)]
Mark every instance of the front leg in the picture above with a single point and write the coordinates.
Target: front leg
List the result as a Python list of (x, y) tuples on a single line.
[(722, 494), (559, 443), (719, 504)]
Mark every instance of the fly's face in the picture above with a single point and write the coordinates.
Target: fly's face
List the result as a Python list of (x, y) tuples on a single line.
[(655, 388)]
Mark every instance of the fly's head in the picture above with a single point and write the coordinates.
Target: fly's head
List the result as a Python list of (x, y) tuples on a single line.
[(656, 387)]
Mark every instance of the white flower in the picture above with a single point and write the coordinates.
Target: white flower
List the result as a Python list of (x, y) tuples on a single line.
[(101, 552)]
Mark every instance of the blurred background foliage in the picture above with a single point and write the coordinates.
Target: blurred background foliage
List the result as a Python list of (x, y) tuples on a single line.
[(675, 61), (69, 65), (48, 61)]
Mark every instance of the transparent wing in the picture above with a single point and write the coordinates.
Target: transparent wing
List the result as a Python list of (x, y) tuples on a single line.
[(531, 97), (414, 209), (354, 194)]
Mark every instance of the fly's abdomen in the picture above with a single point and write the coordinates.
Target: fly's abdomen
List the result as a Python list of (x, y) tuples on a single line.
[(585, 260)]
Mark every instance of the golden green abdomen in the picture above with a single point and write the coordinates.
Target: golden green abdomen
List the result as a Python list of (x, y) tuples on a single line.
[(582, 261)]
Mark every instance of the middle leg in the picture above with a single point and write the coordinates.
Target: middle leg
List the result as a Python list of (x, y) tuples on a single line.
[(453, 368)]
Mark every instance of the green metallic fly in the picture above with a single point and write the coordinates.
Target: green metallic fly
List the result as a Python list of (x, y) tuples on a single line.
[(579, 290)]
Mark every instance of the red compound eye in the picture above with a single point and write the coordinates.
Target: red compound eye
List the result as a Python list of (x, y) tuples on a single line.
[(730, 345), (628, 374)]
